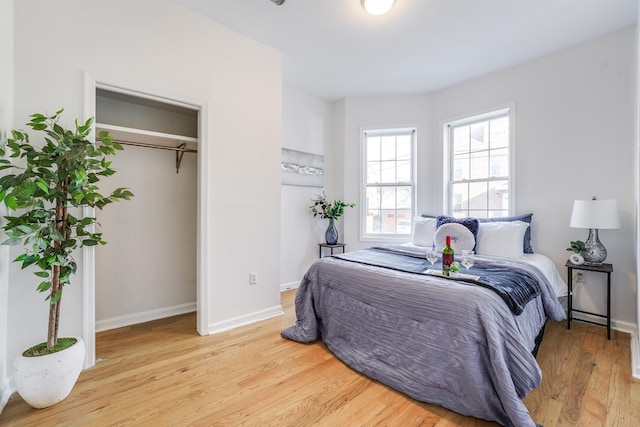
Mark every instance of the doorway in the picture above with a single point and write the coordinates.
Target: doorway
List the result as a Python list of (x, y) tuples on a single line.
[(184, 156)]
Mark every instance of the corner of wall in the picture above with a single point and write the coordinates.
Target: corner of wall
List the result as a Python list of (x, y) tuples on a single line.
[(5, 393), (6, 119)]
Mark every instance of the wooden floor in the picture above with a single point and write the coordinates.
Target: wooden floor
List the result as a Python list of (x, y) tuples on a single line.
[(162, 373)]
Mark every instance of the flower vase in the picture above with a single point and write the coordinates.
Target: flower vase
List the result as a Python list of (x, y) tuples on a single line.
[(331, 235)]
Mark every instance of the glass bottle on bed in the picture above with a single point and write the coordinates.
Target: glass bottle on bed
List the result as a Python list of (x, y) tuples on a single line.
[(447, 257)]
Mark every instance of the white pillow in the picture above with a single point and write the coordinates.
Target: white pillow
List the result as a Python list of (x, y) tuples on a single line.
[(461, 237), (423, 231), (501, 239)]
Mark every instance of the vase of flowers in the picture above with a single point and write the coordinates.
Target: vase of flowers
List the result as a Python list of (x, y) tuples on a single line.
[(331, 210)]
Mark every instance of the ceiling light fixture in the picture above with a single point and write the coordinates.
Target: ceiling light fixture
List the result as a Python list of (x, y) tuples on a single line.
[(377, 7)]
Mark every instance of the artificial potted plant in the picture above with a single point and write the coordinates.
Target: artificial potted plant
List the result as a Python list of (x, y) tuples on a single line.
[(51, 179), (577, 247), (331, 210)]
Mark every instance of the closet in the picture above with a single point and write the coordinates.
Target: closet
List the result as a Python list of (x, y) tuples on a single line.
[(148, 268)]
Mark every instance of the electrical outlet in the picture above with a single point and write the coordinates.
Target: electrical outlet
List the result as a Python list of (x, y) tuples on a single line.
[(253, 278)]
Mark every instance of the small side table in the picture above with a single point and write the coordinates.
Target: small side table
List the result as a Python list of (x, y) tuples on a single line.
[(601, 268), (332, 247)]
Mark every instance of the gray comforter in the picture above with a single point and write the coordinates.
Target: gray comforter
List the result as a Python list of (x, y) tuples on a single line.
[(437, 340)]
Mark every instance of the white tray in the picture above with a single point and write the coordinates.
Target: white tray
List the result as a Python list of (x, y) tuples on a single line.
[(454, 276)]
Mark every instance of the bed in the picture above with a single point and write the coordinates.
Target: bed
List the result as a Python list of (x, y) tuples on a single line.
[(453, 342)]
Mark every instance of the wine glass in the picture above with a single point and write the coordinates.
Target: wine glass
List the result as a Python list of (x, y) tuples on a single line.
[(432, 255), (467, 260)]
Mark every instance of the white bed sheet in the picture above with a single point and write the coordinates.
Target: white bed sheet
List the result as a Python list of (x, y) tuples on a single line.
[(549, 269)]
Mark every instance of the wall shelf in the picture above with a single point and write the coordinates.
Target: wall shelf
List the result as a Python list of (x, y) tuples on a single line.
[(151, 139)]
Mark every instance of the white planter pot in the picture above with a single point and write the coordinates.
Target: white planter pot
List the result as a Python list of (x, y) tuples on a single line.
[(43, 381)]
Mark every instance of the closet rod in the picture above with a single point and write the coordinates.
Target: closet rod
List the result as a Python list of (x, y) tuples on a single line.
[(180, 149)]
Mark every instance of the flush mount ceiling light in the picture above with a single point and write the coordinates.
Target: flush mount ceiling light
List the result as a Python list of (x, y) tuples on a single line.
[(377, 7)]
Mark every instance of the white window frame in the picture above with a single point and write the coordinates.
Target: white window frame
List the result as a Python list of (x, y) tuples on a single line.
[(508, 110), (411, 130)]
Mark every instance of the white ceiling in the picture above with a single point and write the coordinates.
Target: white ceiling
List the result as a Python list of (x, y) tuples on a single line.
[(333, 49)]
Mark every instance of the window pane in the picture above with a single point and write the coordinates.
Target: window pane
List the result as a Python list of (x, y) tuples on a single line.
[(389, 221), (373, 198), (388, 172), (461, 166), (499, 195), (479, 136), (373, 172), (373, 221), (478, 195), (499, 163), (388, 148), (479, 165), (404, 198), (373, 148), (403, 224), (388, 198), (498, 214), (460, 195), (403, 172), (461, 139), (499, 135), (404, 147)]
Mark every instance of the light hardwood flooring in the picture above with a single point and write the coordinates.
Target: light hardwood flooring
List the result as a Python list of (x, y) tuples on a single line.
[(162, 373)]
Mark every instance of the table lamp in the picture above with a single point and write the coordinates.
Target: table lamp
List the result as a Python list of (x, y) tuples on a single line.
[(595, 214)]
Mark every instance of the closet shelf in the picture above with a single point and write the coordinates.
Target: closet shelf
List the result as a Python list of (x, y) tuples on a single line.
[(150, 139)]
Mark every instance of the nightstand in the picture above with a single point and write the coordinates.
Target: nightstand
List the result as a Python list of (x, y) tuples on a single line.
[(601, 268), (332, 247)]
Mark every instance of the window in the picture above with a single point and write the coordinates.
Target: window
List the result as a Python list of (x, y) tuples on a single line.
[(388, 183), (479, 158)]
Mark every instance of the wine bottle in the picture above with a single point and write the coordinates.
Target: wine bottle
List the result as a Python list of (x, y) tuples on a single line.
[(447, 257)]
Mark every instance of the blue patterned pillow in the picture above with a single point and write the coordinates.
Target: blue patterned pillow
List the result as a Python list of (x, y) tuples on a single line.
[(470, 223), (527, 249)]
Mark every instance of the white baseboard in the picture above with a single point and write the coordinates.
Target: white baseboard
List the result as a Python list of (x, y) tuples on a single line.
[(289, 286), (617, 325), (247, 319), (635, 355), (145, 316), (5, 393)]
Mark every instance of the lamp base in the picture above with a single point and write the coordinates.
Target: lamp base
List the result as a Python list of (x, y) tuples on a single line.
[(594, 252)]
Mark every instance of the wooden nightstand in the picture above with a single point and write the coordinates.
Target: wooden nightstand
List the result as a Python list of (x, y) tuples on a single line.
[(601, 268)]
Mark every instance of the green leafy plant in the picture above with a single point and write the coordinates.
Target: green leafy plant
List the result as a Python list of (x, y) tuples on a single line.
[(60, 173), (577, 246), (334, 210)]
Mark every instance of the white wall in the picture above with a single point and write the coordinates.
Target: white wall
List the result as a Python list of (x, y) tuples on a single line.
[(306, 126), (574, 139), (172, 52), (6, 117)]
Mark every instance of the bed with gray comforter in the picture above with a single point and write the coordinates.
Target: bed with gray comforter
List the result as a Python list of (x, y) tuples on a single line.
[(450, 342)]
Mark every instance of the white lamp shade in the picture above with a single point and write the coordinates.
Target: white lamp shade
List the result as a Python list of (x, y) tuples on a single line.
[(601, 214), (377, 7)]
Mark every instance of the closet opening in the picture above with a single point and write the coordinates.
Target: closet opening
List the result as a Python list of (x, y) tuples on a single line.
[(148, 269)]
